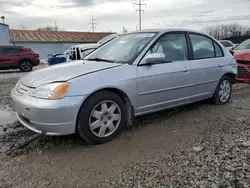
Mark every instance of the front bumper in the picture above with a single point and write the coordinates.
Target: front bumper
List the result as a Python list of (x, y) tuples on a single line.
[(48, 117), (243, 72)]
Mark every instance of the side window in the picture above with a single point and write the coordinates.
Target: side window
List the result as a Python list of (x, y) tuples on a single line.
[(8, 50), (1, 51), (17, 50), (174, 46), (202, 47), (218, 51)]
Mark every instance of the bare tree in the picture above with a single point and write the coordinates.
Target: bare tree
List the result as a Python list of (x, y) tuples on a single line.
[(227, 30), (49, 28)]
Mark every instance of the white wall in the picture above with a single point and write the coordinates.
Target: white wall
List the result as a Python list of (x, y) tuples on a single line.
[(4, 35)]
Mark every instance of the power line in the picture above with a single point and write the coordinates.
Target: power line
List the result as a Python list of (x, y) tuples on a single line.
[(139, 4), (92, 23)]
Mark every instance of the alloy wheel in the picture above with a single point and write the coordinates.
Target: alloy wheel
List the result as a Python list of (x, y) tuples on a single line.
[(105, 119), (224, 91), (26, 66)]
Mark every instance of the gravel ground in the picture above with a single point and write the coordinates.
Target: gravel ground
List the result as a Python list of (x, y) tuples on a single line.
[(16, 73), (199, 145)]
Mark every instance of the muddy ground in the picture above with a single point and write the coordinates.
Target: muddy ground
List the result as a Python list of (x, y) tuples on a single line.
[(199, 145)]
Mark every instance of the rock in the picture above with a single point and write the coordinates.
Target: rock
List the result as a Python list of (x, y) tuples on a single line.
[(245, 144), (197, 149)]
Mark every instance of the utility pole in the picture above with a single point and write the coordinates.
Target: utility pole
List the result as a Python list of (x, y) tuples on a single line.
[(92, 23), (56, 27), (139, 4), (124, 30)]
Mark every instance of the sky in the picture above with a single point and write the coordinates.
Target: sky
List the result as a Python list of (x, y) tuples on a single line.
[(112, 15)]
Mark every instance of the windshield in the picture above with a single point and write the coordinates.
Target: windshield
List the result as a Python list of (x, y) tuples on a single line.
[(123, 49), (107, 38), (244, 45)]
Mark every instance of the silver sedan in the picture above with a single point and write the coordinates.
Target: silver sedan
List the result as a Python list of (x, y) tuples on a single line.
[(134, 74)]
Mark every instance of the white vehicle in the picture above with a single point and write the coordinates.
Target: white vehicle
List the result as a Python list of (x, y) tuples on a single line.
[(80, 51), (228, 44)]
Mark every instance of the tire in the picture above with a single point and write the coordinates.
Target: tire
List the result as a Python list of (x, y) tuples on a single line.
[(25, 66), (217, 98), (94, 113)]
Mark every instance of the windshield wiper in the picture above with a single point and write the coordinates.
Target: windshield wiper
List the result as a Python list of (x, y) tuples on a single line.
[(100, 59)]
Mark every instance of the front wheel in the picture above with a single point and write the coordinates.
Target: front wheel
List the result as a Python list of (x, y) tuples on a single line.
[(101, 117), (223, 91)]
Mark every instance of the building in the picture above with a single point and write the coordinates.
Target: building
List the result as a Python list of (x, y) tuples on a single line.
[(4, 35), (47, 42)]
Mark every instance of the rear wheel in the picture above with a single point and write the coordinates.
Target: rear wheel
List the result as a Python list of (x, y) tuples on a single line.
[(223, 91), (101, 118), (25, 66)]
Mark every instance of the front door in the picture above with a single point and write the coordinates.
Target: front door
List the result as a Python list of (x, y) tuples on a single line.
[(167, 84)]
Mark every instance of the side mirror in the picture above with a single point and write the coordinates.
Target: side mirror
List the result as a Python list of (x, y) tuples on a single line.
[(154, 58)]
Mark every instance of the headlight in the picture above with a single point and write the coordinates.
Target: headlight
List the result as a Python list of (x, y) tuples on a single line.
[(51, 91)]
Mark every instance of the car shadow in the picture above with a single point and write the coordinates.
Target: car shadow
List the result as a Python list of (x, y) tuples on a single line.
[(138, 123), (29, 141), (9, 71)]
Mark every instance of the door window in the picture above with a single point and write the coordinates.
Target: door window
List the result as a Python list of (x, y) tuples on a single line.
[(1, 51), (174, 46), (202, 47), (218, 51), (17, 50), (11, 50)]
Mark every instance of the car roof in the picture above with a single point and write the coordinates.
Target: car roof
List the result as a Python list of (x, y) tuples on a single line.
[(90, 45), (11, 47), (168, 30)]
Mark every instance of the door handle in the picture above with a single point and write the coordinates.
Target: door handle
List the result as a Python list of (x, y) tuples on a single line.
[(186, 70)]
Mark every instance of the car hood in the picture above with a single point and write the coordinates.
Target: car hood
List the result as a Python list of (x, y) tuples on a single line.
[(243, 55), (64, 72)]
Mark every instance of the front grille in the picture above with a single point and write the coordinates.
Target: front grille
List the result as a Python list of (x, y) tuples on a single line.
[(22, 89), (243, 62), (241, 72)]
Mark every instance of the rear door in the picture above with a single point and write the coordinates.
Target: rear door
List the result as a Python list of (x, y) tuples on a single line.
[(206, 67)]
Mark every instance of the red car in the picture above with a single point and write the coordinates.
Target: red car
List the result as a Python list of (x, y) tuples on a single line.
[(17, 57), (242, 56)]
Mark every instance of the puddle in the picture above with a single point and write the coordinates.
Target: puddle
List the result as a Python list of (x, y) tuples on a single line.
[(7, 117)]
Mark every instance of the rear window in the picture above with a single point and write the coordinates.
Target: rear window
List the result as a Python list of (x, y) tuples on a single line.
[(226, 44)]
